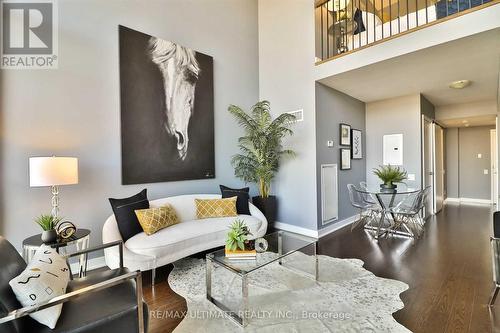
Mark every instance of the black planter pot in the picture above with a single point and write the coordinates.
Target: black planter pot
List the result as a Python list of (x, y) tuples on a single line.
[(386, 187), (49, 236), (268, 206)]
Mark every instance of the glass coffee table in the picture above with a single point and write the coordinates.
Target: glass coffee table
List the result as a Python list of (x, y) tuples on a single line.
[(281, 244)]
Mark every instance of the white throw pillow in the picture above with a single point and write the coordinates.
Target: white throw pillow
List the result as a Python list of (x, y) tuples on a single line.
[(45, 277)]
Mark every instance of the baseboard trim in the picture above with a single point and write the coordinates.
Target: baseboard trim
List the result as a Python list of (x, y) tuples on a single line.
[(338, 225), (468, 201), (295, 229), (316, 233)]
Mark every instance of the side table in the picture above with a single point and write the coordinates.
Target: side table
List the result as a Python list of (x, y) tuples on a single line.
[(81, 240)]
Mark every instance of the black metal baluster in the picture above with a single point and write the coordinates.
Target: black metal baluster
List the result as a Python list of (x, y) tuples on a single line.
[(382, 7), (426, 12), (390, 18), (327, 37), (321, 31), (352, 24), (367, 26), (407, 15), (416, 13), (399, 19)]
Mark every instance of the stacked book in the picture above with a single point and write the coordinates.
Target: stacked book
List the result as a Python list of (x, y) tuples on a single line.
[(241, 254)]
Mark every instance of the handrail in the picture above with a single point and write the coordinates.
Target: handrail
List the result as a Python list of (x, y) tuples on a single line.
[(354, 25)]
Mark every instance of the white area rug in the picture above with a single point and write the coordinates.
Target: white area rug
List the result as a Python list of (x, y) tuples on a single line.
[(347, 298)]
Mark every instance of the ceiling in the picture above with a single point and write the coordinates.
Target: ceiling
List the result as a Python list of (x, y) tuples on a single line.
[(469, 121), (430, 71)]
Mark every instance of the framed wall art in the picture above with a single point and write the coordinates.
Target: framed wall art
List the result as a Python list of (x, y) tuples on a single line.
[(345, 134), (357, 144)]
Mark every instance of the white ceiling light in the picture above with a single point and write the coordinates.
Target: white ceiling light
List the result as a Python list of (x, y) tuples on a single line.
[(460, 84)]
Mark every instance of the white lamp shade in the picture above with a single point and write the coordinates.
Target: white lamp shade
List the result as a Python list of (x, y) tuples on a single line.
[(51, 171)]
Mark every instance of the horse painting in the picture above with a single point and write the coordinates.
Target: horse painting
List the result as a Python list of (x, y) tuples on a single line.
[(180, 71), (167, 110)]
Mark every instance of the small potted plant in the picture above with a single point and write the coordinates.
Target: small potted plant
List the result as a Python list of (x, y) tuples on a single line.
[(48, 224), (261, 151), (237, 238), (390, 175)]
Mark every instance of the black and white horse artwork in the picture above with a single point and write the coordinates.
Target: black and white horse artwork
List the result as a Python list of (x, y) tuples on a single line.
[(167, 110), (180, 69)]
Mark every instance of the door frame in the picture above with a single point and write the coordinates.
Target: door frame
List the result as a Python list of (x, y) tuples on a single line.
[(432, 162), (494, 164), (434, 166)]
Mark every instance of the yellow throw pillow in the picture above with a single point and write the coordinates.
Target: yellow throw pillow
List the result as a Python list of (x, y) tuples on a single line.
[(154, 219), (206, 208)]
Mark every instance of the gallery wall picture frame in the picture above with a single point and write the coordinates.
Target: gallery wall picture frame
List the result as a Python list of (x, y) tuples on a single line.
[(345, 134), (356, 144), (345, 158)]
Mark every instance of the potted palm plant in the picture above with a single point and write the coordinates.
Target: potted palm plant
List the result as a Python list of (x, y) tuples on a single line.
[(261, 151), (48, 223), (390, 175)]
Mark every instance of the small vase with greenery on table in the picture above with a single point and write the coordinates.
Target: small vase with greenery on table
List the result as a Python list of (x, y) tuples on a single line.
[(390, 176), (48, 223), (261, 151)]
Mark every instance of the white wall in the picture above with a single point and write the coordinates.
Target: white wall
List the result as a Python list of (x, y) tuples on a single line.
[(75, 110), (286, 64), (400, 115), (463, 110)]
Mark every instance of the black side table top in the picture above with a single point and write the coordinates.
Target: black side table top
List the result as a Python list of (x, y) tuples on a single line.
[(36, 240)]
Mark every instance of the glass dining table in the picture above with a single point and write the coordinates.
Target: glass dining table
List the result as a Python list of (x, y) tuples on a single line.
[(384, 201)]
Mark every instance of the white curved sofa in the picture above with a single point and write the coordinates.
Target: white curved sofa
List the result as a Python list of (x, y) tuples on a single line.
[(190, 236)]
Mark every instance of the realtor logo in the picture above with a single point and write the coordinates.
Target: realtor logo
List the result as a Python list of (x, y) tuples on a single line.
[(29, 34)]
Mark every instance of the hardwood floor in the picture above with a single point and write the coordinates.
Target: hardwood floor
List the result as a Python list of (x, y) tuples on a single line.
[(448, 271)]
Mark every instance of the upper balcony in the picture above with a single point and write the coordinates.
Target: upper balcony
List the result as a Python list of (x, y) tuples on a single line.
[(346, 26)]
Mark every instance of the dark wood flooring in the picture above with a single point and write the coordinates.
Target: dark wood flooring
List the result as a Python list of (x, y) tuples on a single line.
[(448, 271)]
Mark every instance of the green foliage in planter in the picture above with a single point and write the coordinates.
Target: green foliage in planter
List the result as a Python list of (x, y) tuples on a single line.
[(391, 174), (261, 147), (237, 235), (47, 222)]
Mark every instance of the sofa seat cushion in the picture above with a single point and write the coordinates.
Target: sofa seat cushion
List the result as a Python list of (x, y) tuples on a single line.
[(186, 235), (109, 310)]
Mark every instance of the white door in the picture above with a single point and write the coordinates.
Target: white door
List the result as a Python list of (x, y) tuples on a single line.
[(427, 164), (494, 171), (439, 168)]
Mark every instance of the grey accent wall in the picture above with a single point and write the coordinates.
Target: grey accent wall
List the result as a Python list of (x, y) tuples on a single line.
[(473, 182), (427, 108), (75, 110), (401, 115), (333, 108), (451, 161)]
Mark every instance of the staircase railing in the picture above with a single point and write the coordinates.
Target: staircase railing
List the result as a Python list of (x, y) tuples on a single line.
[(344, 26)]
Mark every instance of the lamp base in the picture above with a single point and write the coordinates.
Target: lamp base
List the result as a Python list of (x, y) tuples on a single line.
[(55, 200)]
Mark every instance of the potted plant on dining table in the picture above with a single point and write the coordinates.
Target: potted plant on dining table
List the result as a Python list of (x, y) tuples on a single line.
[(390, 175)]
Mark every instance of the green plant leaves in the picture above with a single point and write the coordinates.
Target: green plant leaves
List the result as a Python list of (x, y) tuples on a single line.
[(390, 174), (260, 149), (237, 235), (47, 222)]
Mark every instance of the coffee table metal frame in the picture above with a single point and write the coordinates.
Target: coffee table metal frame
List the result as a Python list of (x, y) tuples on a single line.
[(241, 318)]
